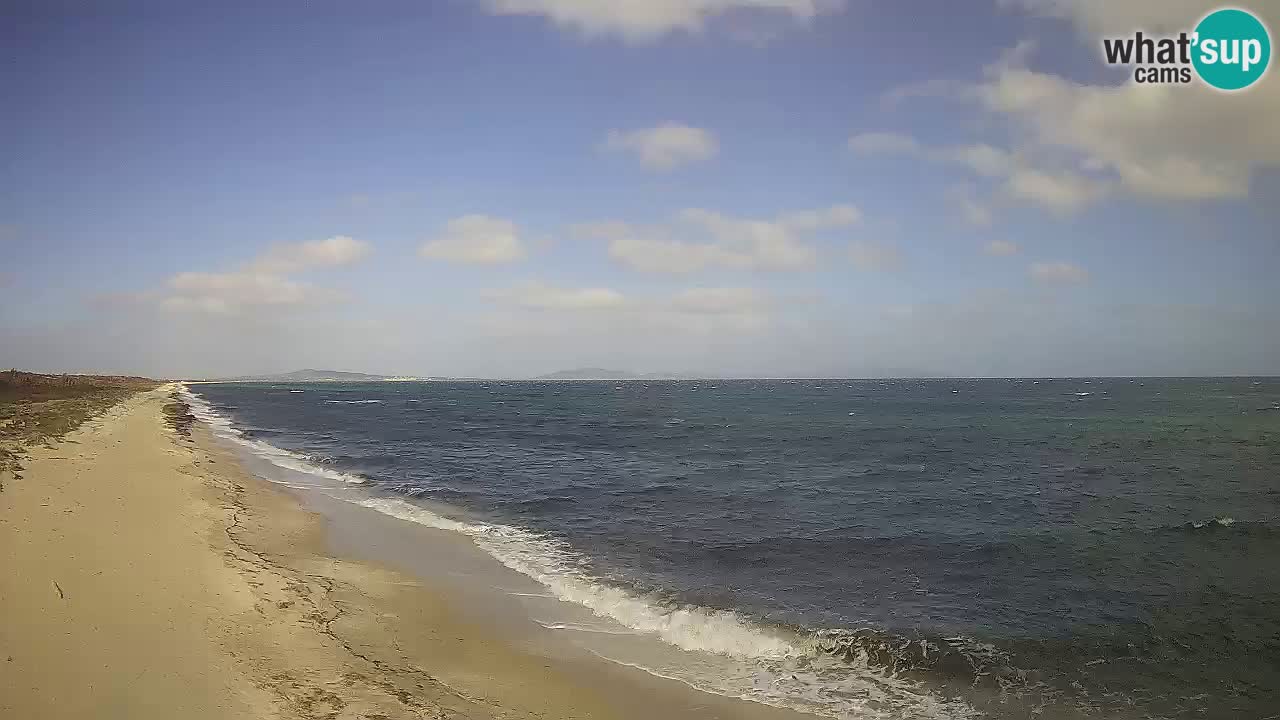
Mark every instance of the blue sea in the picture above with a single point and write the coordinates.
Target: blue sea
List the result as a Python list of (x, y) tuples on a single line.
[(1073, 548)]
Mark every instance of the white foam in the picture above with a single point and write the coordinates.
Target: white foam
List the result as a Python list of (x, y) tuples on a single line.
[(582, 628), (1223, 521), (553, 564), (751, 661), (353, 402), (222, 427), (760, 664)]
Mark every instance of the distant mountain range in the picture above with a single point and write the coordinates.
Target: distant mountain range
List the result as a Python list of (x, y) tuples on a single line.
[(585, 373), (606, 374), (317, 376)]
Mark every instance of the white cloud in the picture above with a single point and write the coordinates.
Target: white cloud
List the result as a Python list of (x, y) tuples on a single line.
[(971, 210), (597, 312), (702, 239), (648, 20), (297, 257), (476, 239), (1159, 141), (545, 297), (831, 217), (1095, 17), (1001, 248), (767, 244), (672, 256), (869, 255), (694, 301), (985, 160), (974, 212), (233, 292), (665, 147), (1050, 186), (1075, 143), (1059, 272), (1060, 192), (982, 159), (263, 284)]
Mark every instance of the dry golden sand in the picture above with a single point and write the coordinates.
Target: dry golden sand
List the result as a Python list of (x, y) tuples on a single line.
[(147, 575)]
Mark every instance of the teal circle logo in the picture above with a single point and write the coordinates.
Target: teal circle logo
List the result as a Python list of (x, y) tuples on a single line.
[(1231, 49)]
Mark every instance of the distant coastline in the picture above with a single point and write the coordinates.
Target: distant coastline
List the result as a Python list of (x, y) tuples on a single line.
[(595, 374)]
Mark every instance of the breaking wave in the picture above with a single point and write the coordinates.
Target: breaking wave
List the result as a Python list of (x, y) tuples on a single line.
[(833, 673), (222, 427), (830, 673)]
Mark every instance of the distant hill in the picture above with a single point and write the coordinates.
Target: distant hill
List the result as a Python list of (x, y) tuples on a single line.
[(606, 374), (313, 376)]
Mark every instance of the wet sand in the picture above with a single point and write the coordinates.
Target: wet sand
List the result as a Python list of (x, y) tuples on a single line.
[(148, 574)]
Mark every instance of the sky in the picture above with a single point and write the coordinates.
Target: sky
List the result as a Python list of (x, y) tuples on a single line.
[(505, 188)]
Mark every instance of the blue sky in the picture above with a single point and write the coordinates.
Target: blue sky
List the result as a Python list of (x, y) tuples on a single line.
[(746, 187)]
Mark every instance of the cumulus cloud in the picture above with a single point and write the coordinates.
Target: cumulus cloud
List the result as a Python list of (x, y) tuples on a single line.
[(665, 147), (602, 311), (263, 284), (982, 159), (1060, 272), (648, 20), (546, 297), (971, 209), (1075, 143), (1095, 17), (298, 257), (233, 292), (870, 255), (658, 255), (831, 217), (1159, 141), (476, 239), (701, 239), (767, 244), (1058, 189), (1001, 248)]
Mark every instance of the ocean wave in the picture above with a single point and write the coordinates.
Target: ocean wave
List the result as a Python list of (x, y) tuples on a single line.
[(810, 671), (558, 567), (1222, 526), (352, 402), (222, 427), (582, 628), (1221, 521), (545, 502), (1229, 524), (836, 674)]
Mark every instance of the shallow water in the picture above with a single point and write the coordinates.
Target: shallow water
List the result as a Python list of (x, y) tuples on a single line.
[(1080, 547)]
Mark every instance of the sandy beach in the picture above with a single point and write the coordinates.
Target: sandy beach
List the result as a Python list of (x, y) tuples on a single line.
[(149, 575)]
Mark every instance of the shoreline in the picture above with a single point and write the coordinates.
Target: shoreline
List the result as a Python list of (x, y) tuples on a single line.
[(151, 574)]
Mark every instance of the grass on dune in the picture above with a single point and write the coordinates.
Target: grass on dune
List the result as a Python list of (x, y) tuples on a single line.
[(37, 408)]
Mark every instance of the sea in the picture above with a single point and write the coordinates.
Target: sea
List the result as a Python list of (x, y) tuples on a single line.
[(946, 548)]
